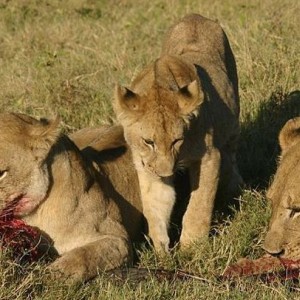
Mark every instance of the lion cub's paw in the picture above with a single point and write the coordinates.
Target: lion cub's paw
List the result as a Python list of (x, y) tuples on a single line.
[(161, 245), (70, 268)]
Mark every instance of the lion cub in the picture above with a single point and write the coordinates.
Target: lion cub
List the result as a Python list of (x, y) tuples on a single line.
[(283, 235), (72, 191), (182, 111)]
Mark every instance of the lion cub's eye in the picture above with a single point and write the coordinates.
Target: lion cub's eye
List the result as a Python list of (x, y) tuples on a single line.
[(3, 174), (149, 142), (294, 212), (177, 142)]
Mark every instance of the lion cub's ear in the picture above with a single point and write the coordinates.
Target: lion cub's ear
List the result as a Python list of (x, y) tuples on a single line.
[(289, 134), (190, 97), (127, 101), (43, 135)]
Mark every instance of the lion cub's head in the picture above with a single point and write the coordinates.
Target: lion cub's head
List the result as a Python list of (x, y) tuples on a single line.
[(156, 112), (24, 145), (283, 236)]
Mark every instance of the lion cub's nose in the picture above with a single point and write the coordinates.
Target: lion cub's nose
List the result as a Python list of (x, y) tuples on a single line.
[(273, 251), (272, 244)]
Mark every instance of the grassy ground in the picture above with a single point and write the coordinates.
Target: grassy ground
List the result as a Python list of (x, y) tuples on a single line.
[(64, 57)]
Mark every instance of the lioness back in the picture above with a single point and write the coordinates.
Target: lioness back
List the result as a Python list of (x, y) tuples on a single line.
[(182, 111)]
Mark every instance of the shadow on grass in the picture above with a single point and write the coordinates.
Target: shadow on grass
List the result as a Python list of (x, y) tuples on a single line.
[(258, 146)]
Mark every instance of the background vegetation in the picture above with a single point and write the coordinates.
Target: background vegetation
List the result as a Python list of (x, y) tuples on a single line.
[(64, 57)]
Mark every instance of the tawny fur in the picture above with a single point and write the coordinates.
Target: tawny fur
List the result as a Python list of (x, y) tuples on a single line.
[(78, 199), (182, 111), (283, 236)]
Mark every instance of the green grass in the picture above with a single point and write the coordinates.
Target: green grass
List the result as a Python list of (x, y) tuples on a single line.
[(64, 57)]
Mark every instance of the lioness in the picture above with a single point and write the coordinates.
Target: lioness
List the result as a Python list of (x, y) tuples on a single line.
[(283, 236), (183, 111), (56, 188)]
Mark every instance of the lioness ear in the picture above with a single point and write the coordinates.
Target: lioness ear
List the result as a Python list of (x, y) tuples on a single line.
[(190, 97), (289, 134), (44, 134), (126, 100)]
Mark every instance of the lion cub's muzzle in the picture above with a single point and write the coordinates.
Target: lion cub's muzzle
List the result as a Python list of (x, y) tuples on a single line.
[(162, 167), (162, 175), (273, 243)]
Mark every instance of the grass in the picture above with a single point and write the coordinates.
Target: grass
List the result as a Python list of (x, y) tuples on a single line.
[(64, 57)]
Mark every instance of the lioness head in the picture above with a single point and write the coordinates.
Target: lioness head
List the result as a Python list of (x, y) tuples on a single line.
[(156, 111), (283, 236), (24, 175)]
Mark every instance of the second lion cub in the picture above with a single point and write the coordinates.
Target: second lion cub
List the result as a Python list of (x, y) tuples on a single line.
[(182, 111)]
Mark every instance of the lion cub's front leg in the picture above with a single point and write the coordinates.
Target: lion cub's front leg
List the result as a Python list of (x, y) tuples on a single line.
[(158, 198), (204, 177)]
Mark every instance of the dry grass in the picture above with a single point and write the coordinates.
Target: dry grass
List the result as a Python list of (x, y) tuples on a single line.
[(64, 57)]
